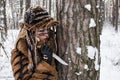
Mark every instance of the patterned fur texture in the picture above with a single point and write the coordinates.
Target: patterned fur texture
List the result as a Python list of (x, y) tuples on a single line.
[(38, 16), (19, 62)]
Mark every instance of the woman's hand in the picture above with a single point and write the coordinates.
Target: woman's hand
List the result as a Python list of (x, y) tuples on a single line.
[(47, 53)]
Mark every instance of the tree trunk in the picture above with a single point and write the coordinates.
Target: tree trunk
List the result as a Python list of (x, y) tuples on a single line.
[(43, 2), (116, 15), (3, 24), (50, 7), (5, 20), (77, 39), (101, 14), (21, 8), (13, 17), (113, 14), (28, 2)]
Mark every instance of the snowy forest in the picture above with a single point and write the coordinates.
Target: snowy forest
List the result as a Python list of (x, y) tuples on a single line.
[(87, 37)]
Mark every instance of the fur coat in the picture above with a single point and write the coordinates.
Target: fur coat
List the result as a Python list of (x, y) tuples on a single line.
[(20, 61)]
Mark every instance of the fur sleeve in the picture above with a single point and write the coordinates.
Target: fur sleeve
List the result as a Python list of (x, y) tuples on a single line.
[(22, 46)]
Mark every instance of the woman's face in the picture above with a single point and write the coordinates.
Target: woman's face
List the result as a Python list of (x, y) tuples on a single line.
[(42, 34)]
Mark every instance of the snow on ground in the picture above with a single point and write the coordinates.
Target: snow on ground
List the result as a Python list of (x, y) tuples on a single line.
[(5, 66), (110, 54)]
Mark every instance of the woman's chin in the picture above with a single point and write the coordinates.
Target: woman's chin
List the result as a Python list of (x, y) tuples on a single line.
[(42, 41)]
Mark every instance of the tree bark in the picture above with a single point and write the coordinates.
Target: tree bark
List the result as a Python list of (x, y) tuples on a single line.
[(21, 8), (43, 2), (28, 3), (5, 20), (50, 7), (117, 15), (75, 37), (13, 17)]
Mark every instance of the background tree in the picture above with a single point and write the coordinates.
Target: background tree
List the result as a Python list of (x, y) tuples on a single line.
[(3, 22), (28, 4), (78, 38), (112, 12), (50, 7), (101, 13), (21, 8), (116, 14), (13, 12)]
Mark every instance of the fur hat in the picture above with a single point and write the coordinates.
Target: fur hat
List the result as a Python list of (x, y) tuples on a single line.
[(38, 17)]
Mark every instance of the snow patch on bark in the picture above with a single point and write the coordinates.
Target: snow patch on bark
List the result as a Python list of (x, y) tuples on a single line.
[(78, 73), (86, 67), (93, 53), (78, 50), (92, 23), (88, 6)]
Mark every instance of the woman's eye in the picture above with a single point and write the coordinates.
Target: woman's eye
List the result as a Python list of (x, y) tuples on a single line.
[(41, 30)]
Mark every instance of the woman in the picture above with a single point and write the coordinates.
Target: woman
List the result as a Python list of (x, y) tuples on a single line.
[(31, 59)]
